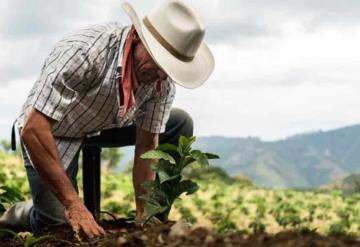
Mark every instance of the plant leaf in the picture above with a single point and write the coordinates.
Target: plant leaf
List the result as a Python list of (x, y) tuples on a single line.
[(167, 147), (202, 160), (150, 210), (31, 240), (158, 197), (10, 194), (2, 208), (154, 204), (210, 156), (163, 177), (157, 154), (200, 157), (185, 144), (187, 186), (183, 163), (4, 232), (149, 185), (161, 166), (163, 169)]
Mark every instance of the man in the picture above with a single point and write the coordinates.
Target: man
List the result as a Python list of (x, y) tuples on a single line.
[(114, 83)]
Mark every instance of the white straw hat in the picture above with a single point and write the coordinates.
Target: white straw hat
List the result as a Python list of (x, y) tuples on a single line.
[(173, 35)]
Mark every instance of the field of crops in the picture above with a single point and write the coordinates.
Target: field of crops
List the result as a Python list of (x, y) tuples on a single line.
[(237, 206), (225, 204)]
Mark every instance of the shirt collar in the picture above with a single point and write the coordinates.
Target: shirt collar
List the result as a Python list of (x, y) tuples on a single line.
[(123, 39)]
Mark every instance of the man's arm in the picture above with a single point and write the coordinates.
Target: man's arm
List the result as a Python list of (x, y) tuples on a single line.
[(145, 141), (44, 155)]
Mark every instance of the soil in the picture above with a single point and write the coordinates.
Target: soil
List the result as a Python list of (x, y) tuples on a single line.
[(123, 233)]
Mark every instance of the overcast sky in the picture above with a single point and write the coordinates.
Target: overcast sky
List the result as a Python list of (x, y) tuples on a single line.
[(282, 67)]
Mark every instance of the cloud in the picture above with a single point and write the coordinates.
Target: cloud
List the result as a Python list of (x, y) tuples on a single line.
[(270, 112), (23, 19), (282, 66), (247, 20), (23, 58), (12, 97), (29, 29), (298, 57)]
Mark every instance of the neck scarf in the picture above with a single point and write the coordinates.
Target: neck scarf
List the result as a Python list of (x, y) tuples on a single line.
[(129, 81)]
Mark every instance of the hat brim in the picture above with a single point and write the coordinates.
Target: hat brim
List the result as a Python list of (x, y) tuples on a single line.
[(187, 74)]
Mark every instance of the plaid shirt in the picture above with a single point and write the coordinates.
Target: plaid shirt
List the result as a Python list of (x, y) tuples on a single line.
[(79, 88)]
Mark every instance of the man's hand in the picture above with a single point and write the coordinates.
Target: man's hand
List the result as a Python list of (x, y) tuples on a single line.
[(80, 219)]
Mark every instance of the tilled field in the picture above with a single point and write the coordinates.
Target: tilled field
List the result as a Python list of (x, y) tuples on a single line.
[(123, 233)]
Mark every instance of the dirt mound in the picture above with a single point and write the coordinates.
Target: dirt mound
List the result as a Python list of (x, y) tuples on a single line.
[(124, 233)]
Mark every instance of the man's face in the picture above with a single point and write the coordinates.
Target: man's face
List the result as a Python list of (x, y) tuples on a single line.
[(146, 69)]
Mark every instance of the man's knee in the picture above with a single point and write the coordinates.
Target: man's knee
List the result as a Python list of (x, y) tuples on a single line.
[(50, 216), (179, 123), (47, 210), (184, 120)]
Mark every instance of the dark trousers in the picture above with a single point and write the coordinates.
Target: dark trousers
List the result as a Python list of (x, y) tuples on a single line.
[(179, 123)]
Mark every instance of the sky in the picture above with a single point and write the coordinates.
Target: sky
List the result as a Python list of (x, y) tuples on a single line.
[(282, 67)]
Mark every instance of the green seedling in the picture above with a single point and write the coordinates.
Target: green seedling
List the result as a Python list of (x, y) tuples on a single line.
[(9, 195), (31, 240), (7, 232), (257, 225), (169, 183)]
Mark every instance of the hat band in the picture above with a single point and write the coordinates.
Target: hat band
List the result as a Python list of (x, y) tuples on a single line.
[(164, 43)]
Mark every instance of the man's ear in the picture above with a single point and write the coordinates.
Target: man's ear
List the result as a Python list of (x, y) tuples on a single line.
[(135, 36)]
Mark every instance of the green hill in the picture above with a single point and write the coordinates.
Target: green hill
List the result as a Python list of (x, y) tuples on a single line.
[(305, 160), (349, 184)]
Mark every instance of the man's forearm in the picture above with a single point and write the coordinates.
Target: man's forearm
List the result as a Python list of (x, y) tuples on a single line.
[(141, 172), (44, 155), (43, 152)]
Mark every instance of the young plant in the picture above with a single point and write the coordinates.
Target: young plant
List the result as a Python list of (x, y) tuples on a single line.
[(222, 221), (31, 240), (28, 241), (169, 183), (257, 225), (285, 215), (9, 195), (187, 215), (337, 229)]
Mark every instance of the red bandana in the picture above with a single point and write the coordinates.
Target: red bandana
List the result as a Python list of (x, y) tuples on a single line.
[(129, 82), (128, 79)]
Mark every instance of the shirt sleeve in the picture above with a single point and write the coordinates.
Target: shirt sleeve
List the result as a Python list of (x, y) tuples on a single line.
[(155, 112), (67, 72)]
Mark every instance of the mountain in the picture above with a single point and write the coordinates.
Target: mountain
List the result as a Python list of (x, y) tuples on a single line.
[(300, 161), (349, 184)]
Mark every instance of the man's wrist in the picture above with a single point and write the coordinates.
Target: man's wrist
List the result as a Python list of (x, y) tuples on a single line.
[(71, 202)]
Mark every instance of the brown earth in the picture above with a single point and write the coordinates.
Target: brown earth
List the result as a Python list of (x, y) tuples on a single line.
[(123, 233)]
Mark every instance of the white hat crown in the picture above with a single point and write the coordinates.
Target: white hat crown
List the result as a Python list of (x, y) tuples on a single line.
[(177, 27), (173, 35)]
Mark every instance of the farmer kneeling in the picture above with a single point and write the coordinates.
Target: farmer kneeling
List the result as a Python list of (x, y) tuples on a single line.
[(115, 84)]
